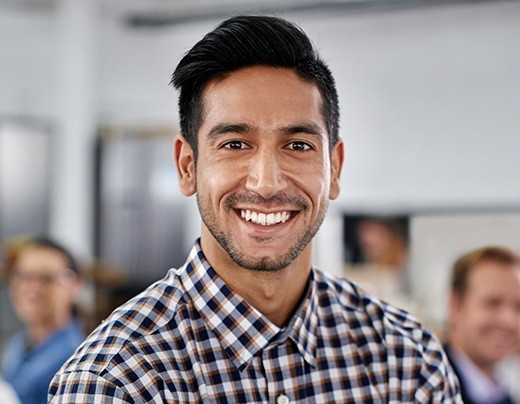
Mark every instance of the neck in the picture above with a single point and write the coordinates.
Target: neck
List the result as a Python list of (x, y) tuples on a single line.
[(275, 294), (39, 332), (485, 367)]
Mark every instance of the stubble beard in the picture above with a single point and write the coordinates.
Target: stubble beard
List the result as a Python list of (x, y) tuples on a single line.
[(265, 263)]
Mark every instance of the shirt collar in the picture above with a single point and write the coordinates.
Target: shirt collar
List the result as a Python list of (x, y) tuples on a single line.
[(241, 329), (478, 385), (304, 324)]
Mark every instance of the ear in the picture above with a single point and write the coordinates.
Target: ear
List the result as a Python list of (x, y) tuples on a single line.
[(454, 303), (336, 164), (185, 163)]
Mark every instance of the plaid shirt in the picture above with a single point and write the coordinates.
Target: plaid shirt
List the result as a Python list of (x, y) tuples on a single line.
[(189, 338)]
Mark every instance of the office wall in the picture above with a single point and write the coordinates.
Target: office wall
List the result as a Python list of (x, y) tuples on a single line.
[(428, 97)]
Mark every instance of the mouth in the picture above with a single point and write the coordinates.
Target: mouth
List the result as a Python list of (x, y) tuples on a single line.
[(265, 219), (504, 339)]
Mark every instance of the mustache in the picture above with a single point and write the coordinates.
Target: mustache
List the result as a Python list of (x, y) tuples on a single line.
[(280, 198)]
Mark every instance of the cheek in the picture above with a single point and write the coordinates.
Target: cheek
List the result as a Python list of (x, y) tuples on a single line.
[(318, 187), (21, 295), (483, 319), (217, 182)]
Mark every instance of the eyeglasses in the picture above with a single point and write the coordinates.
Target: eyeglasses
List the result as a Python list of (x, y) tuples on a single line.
[(44, 279)]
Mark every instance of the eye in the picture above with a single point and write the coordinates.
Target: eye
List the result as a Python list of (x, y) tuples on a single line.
[(299, 146), (234, 145)]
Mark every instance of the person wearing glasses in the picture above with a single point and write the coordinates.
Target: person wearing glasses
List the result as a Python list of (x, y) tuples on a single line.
[(44, 284)]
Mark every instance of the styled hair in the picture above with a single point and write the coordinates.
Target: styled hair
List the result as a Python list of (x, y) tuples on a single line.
[(13, 251), (246, 41), (463, 266)]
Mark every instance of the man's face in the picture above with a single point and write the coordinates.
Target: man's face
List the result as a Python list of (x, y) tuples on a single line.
[(42, 288), (487, 317), (263, 175)]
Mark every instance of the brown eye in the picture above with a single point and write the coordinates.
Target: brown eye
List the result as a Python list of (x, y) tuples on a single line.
[(299, 146), (234, 145)]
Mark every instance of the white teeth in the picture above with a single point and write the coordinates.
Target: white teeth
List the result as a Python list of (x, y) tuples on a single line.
[(265, 219)]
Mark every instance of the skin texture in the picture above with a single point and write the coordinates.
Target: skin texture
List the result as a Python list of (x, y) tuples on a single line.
[(263, 148), (43, 291), (485, 321)]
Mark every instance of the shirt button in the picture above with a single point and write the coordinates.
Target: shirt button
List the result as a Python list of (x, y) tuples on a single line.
[(282, 399)]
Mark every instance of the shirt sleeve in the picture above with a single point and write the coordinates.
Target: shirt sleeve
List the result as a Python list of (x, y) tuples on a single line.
[(440, 385), (85, 387)]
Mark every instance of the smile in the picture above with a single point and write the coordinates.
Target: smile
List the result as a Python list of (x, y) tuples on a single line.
[(265, 219)]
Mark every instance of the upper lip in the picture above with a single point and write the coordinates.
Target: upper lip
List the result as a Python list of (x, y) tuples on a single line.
[(267, 210)]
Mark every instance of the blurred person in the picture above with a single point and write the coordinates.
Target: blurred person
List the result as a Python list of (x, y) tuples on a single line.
[(7, 393), (378, 260), (44, 284), (382, 243), (248, 318), (484, 321)]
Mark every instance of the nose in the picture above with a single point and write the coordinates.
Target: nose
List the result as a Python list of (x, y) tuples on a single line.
[(266, 175)]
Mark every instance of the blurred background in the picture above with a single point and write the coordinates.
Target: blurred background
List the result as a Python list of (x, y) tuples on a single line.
[(429, 95)]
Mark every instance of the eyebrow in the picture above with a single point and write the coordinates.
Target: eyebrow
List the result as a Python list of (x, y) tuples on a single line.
[(223, 128), (307, 128), (242, 127)]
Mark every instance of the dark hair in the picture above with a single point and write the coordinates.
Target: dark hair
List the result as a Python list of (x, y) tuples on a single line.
[(246, 41), (13, 251), (463, 266)]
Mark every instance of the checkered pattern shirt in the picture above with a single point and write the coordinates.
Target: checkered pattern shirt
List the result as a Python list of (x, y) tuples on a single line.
[(188, 338)]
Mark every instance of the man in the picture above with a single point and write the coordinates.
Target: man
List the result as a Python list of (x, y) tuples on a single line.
[(44, 286), (484, 324), (247, 318)]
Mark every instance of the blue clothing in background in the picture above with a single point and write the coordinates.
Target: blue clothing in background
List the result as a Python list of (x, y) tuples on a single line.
[(30, 372)]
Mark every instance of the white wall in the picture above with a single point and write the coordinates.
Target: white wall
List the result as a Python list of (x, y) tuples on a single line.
[(438, 240), (28, 78), (429, 96)]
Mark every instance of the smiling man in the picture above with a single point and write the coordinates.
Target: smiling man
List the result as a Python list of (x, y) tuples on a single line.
[(248, 318), (484, 321)]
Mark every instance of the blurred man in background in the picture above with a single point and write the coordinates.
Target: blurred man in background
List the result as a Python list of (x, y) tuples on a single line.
[(484, 314), (44, 285)]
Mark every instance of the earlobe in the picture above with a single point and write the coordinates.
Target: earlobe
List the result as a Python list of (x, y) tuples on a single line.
[(453, 303), (185, 163), (336, 164)]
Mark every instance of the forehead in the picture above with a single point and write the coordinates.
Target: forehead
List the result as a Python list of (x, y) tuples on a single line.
[(266, 92), (37, 257), (491, 275)]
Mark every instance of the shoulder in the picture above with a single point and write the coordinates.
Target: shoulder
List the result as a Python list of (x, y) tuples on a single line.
[(368, 310), (141, 317), (357, 303), (411, 350)]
